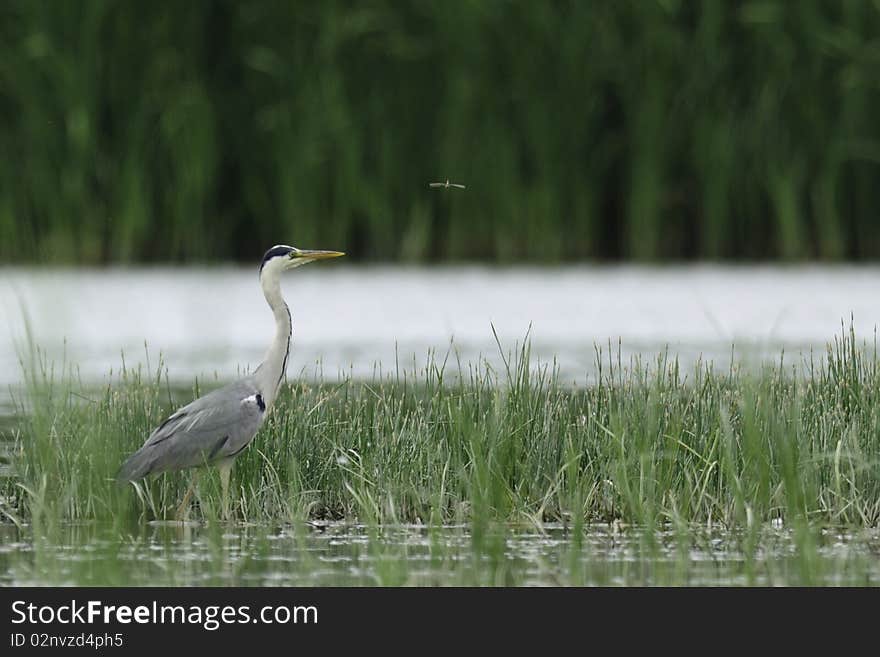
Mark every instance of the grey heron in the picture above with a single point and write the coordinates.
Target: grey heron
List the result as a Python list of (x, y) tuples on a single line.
[(446, 185), (216, 427)]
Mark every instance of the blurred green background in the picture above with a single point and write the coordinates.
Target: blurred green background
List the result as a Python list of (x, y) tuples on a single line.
[(642, 129)]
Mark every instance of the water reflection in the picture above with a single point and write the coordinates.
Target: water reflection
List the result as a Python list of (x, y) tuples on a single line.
[(354, 555)]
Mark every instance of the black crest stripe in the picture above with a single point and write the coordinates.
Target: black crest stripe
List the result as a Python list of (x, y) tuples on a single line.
[(274, 252)]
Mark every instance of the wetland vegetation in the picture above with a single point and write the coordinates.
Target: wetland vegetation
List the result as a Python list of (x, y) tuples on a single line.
[(467, 454)]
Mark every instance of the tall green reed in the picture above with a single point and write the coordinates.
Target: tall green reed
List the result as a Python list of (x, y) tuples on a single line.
[(584, 130)]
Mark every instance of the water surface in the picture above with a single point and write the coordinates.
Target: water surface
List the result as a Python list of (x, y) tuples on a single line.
[(358, 320), (354, 555)]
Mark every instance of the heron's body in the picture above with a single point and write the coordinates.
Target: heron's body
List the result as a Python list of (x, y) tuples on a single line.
[(216, 427)]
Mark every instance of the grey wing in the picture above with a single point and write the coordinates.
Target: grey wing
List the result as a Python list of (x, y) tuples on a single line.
[(215, 426)]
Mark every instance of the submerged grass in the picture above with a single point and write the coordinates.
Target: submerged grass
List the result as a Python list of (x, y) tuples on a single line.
[(646, 444), (249, 554)]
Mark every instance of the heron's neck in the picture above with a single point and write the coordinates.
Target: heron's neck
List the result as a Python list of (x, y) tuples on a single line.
[(271, 370)]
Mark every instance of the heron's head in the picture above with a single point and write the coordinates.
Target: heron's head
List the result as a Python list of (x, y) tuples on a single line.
[(282, 257)]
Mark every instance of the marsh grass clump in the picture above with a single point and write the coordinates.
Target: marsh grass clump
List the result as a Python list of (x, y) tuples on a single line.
[(646, 444)]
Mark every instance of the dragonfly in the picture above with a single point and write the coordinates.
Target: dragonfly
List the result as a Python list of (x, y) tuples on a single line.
[(446, 185)]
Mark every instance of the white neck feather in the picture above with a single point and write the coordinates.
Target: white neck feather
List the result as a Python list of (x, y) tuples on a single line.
[(271, 371)]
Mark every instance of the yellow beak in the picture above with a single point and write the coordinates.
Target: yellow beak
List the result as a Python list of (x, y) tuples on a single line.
[(316, 255)]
